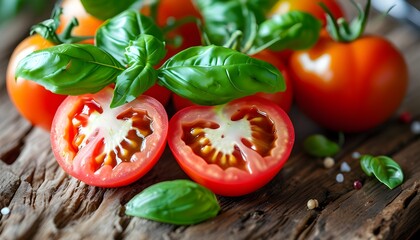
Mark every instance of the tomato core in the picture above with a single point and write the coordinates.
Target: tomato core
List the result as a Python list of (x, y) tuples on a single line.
[(129, 138), (210, 141)]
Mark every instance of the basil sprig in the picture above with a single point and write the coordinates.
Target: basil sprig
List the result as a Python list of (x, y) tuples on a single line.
[(207, 75), (385, 169), (70, 69), (180, 202), (242, 25)]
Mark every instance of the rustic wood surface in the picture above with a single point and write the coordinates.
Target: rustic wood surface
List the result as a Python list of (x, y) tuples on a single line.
[(46, 203)]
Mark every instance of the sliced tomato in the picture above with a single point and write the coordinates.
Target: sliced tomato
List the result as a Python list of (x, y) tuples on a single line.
[(232, 149), (108, 147)]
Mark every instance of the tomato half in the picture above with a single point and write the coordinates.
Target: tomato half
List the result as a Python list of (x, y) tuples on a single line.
[(33, 102), (283, 99), (108, 147), (232, 149), (309, 6), (349, 87)]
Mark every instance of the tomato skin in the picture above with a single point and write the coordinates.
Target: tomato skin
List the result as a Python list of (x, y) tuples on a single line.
[(349, 87), (309, 6), (33, 102), (234, 180), (85, 132), (283, 99)]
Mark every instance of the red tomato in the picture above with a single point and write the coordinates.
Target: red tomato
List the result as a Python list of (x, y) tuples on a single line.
[(232, 149), (33, 102), (108, 147), (283, 99), (87, 23), (169, 10), (349, 87), (309, 6)]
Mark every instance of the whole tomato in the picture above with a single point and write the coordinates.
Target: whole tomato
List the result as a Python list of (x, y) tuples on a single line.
[(283, 99), (33, 102), (351, 86), (309, 6)]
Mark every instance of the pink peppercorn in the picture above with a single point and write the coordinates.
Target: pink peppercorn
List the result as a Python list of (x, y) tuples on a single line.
[(405, 117), (357, 184)]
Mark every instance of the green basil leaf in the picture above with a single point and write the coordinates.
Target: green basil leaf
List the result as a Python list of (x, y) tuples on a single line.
[(318, 145), (104, 9), (131, 83), (180, 202), (70, 69), (293, 30), (385, 169), (213, 75), (142, 54), (146, 49), (114, 35), (222, 18)]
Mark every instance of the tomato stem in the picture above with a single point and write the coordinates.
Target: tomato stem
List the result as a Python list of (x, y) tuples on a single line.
[(48, 29), (342, 31)]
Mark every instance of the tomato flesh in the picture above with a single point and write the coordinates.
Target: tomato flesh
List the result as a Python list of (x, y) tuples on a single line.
[(233, 149), (108, 147)]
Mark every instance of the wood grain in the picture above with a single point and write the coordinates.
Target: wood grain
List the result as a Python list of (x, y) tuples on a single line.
[(46, 203)]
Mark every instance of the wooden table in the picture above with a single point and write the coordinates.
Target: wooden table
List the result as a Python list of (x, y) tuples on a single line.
[(46, 203)]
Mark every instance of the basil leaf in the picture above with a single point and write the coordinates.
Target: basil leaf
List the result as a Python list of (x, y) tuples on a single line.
[(104, 9), (114, 35), (142, 55), (222, 18), (180, 202), (293, 30), (146, 49), (385, 169), (70, 69), (318, 145), (213, 75)]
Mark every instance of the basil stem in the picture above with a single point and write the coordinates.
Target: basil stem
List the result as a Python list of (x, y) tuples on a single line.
[(180, 202), (232, 16), (114, 35), (214, 75), (70, 69), (318, 145), (385, 169), (104, 9)]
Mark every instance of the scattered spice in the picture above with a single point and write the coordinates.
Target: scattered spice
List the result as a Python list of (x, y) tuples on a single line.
[(345, 167), (357, 184), (329, 162), (356, 155), (5, 211), (339, 178), (312, 204), (415, 127), (405, 117)]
